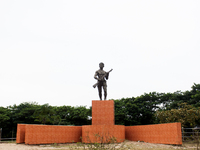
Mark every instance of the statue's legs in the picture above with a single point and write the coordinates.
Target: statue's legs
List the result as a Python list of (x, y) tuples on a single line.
[(100, 91), (105, 90)]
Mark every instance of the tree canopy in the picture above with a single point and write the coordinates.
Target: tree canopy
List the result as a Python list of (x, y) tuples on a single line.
[(149, 108)]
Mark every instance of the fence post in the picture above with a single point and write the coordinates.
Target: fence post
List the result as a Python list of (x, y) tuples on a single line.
[(12, 134), (182, 129), (0, 133)]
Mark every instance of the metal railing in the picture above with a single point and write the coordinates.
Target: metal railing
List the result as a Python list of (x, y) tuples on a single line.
[(1, 139), (190, 133), (7, 139)]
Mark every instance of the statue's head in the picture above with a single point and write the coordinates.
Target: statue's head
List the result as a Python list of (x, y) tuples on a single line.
[(101, 65)]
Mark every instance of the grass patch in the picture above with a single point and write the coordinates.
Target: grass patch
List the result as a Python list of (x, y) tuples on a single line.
[(14, 141)]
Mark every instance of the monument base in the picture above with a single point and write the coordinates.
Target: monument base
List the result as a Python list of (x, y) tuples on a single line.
[(102, 130), (103, 133)]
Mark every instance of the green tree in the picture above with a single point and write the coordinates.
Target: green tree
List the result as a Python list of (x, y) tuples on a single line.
[(191, 97), (195, 96), (136, 111), (119, 112), (56, 119), (44, 114), (188, 115), (147, 106), (80, 116), (65, 114), (4, 116), (5, 121), (24, 112)]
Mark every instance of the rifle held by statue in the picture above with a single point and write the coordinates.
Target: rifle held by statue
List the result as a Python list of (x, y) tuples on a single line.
[(101, 78)]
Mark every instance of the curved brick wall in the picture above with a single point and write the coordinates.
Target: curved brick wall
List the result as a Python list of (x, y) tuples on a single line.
[(169, 133), (102, 133)]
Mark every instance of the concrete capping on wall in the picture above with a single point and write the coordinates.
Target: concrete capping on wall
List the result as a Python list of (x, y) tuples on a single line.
[(168, 133), (103, 133)]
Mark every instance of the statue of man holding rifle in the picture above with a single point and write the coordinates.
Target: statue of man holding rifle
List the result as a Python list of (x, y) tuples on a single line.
[(100, 76)]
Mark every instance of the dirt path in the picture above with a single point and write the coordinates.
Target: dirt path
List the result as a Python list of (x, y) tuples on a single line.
[(129, 145), (14, 146)]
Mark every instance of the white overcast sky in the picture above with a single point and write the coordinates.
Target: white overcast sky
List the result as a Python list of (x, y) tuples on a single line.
[(50, 50)]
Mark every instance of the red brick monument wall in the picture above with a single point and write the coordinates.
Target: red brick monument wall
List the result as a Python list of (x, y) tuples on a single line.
[(21, 133), (45, 134), (102, 130), (169, 133)]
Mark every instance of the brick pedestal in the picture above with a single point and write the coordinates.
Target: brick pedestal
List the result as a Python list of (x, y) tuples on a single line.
[(103, 112), (103, 128)]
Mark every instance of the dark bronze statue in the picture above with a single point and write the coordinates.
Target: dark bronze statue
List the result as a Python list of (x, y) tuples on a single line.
[(100, 76)]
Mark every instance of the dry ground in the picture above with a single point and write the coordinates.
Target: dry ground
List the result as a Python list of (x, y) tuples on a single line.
[(127, 145)]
